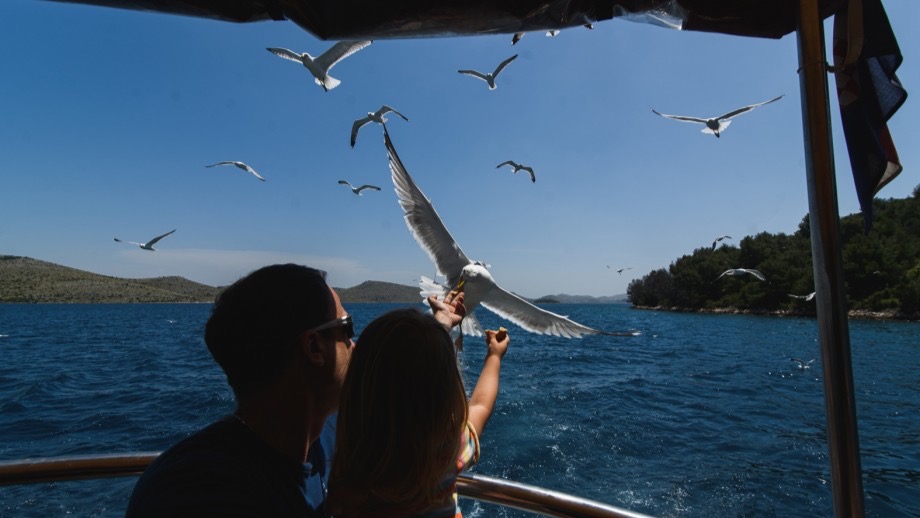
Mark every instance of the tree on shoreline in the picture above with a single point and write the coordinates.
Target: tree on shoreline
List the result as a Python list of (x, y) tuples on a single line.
[(881, 269)]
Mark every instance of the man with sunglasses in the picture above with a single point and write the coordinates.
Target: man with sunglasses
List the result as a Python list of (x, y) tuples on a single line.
[(284, 340)]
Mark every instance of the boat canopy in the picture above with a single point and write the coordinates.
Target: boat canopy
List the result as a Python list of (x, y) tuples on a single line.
[(358, 19)]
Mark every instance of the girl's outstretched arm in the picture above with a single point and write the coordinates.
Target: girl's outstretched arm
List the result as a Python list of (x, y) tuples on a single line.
[(486, 391)]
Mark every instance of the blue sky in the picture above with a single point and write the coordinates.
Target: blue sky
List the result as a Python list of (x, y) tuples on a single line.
[(109, 117)]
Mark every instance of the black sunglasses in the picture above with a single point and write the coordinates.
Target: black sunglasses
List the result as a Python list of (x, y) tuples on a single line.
[(347, 325)]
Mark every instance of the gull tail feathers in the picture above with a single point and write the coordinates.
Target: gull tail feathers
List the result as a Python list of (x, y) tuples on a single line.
[(470, 325), (722, 125), (328, 82)]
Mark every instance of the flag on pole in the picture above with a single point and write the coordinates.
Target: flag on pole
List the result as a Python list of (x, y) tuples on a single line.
[(866, 56)]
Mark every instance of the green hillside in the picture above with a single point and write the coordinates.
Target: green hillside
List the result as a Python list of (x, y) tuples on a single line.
[(881, 269), (23, 279)]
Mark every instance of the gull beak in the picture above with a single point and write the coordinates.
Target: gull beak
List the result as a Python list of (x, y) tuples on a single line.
[(460, 284)]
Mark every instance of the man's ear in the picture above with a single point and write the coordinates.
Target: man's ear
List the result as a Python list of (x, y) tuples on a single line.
[(313, 348)]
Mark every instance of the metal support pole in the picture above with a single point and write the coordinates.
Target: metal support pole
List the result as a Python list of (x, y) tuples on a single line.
[(827, 261)]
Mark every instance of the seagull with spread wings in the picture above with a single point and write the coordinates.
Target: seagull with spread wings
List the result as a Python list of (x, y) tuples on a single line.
[(716, 240), (490, 78), (242, 166), (471, 277), (149, 244), (734, 272), (806, 298), (803, 364), (717, 125), (320, 66), (357, 190), (377, 116), (519, 167)]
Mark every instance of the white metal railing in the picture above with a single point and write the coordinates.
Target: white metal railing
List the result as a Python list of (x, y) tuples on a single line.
[(487, 489)]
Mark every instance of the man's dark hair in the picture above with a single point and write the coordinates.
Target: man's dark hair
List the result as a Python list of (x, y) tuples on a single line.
[(255, 322)]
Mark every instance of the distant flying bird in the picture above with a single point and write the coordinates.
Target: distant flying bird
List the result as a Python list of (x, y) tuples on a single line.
[(806, 298), (589, 26), (552, 33), (490, 78), (742, 271), (377, 116), (357, 190), (519, 167), (620, 271), (242, 166), (517, 37), (803, 364), (716, 240), (321, 65), (471, 277), (717, 125), (149, 244)]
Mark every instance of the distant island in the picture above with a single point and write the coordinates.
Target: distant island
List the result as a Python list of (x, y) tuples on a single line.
[(27, 280), (23, 279)]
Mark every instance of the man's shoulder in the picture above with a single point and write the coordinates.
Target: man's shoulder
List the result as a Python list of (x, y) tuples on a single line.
[(213, 469)]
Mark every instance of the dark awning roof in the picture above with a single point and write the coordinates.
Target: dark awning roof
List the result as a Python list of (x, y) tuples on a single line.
[(358, 19)]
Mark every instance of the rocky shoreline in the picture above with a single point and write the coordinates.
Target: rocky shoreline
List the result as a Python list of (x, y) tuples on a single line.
[(855, 314)]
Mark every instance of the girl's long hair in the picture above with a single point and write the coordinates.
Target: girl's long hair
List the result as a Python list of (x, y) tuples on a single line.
[(403, 408)]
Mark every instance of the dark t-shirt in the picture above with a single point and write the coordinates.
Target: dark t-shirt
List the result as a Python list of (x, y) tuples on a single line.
[(227, 470)]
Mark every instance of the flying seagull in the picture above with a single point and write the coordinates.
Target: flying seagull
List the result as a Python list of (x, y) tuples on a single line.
[(242, 166), (471, 276), (149, 244), (519, 167), (718, 124), (552, 33), (620, 271), (357, 190), (806, 298), (716, 240), (376, 116), (517, 37), (803, 364), (489, 78), (321, 65), (742, 271)]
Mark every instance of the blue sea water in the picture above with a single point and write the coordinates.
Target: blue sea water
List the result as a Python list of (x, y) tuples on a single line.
[(699, 416)]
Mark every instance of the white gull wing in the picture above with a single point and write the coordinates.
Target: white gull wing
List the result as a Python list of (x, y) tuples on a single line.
[(126, 241), (755, 273), (424, 223), (533, 176), (682, 118), (510, 306), (286, 54), (501, 66), (386, 109), (338, 52), (154, 240), (474, 73), (356, 126), (746, 109)]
